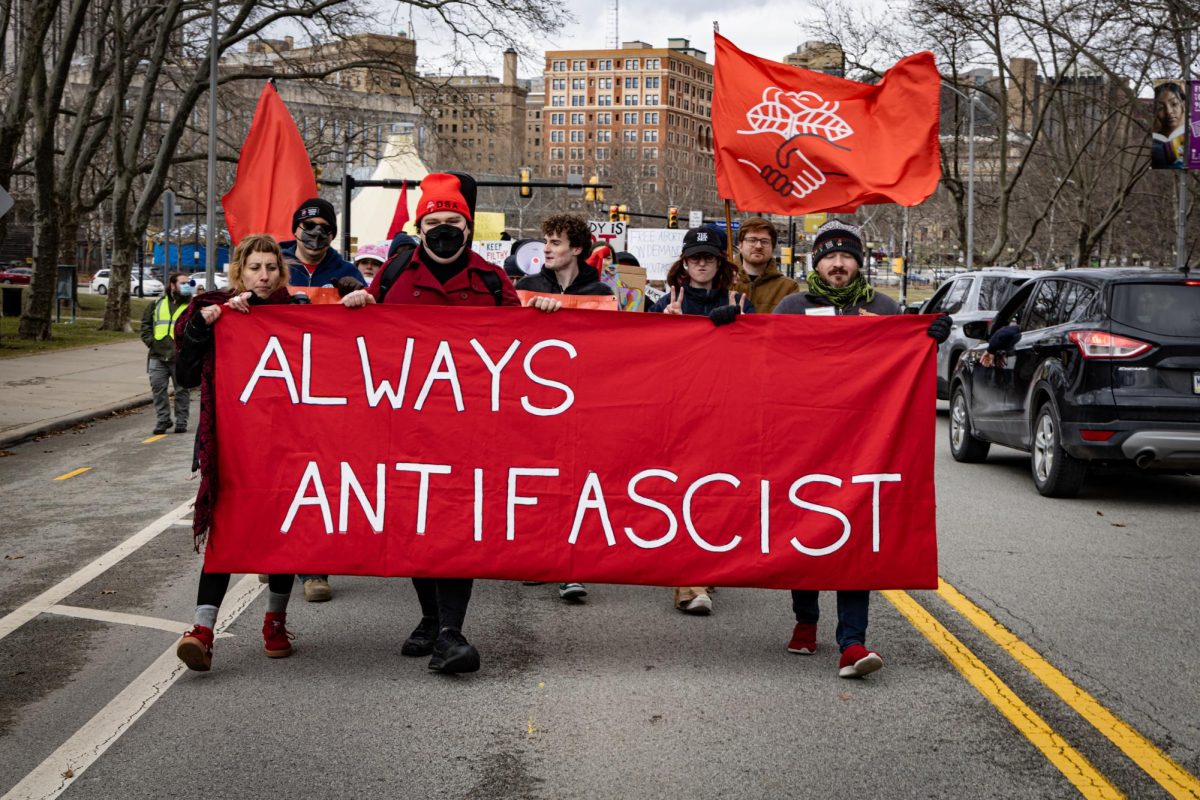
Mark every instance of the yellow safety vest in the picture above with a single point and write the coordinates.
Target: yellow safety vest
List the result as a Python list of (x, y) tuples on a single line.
[(164, 320)]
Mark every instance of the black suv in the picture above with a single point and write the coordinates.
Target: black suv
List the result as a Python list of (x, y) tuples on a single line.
[(1107, 371)]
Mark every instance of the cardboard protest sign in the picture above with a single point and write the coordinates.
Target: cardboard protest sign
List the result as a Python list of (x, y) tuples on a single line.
[(610, 233), (786, 451), (493, 252), (656, 249), (592, 302)]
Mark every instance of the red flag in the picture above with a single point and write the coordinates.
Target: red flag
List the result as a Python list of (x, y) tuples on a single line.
[(274, 175), (400, 218), (794, 141)]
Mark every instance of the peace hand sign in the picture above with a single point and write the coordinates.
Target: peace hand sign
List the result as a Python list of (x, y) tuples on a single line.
[(738, 300), (676, 304)]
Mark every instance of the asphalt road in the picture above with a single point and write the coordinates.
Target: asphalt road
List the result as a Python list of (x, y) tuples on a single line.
[(619, 697)]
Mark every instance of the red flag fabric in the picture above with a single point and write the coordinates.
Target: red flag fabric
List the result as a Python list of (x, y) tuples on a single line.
[(511, 444), (274, 175), (793, 141), (400, 218)]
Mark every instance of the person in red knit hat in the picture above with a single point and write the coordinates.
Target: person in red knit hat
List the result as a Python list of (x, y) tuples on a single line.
[(443, 270)]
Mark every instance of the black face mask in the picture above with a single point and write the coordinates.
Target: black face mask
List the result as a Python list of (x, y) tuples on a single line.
[(445, 241), (314, 240)]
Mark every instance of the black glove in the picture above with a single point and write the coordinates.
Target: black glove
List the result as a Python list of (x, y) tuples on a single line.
[(724, 315), (1004, 339), (347, 285), (300, 299), (939, 329)]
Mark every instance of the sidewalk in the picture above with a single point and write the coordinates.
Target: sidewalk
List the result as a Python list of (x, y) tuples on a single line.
[(56, 390)]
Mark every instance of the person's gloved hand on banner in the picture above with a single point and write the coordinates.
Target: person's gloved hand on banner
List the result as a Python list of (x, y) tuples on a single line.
[(939, 329)]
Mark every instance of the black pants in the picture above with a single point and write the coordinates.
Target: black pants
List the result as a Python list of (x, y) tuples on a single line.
[(444, 599), (213, 586)]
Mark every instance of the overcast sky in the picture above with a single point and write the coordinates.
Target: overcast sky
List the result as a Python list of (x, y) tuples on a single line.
[(766, 28)]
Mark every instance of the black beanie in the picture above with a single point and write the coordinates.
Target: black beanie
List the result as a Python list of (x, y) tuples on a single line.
[(836, 236), (315, 207)]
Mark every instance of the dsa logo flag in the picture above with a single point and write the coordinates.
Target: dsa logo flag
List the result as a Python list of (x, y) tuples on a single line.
[(794, 141)]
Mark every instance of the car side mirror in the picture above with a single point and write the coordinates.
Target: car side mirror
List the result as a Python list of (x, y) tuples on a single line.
[(913, 308), (976, 330)]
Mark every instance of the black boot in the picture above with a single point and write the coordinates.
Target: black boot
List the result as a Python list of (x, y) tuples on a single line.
[(420, 641), (453, 653)]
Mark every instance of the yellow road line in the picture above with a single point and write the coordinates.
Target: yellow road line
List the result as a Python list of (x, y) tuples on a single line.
[(1069, 761), (1157, 764), (72, 473), (154, 438)]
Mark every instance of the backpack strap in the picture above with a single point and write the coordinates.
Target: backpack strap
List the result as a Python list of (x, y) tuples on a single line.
[(492, 281), (397, 264)]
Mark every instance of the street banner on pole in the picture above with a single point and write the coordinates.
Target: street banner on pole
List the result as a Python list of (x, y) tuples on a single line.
[(1169, 136), (1193, 159), (479, 442), (792, 141)]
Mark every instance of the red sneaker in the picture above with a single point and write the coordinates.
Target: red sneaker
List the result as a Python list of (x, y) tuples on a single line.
[(195, 648), (858, 661), (277, 641), (804, 639)]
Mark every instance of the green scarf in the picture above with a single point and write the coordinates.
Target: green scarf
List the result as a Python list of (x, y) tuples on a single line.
[(856, 291)]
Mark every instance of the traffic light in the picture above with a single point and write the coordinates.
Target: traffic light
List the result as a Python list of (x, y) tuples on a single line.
[(590, 192), (624, 209), (524, 174), (614, 213), (673, 217)]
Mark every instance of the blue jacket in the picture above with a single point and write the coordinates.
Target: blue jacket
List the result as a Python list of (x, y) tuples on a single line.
[(701, 301), (332, 267)]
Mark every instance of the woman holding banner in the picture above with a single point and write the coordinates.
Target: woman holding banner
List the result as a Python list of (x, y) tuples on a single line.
[(257, 276), (700, 283)]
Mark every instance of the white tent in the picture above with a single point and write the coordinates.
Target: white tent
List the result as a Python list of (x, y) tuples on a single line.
[(372, 208)]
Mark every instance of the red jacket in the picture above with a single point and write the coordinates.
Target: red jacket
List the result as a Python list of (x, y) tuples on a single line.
[(417, 285)]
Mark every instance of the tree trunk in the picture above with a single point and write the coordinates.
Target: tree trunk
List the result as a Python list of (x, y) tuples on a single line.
[(35, 317), (116, 307)]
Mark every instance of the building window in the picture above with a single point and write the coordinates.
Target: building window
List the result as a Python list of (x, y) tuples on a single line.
[(558, 118), (630, 135), (653, 82), (650, 153), (558, 101), (578, 100), (557, 153), (650, 188), (556, 136), (604, 63), (650, 135), (603, 136), (651, 99), (653, 63), (651, 117), (631, 63), (604, 118), (604, 100), (557, 171), (576, 118), (631, 83), (578, 84), (630, 118), (576, 153), (578, 66), (575, 169), (558, 66), (631, 99), (605, 83), (558, 84), (649, 170), (602, 154), (577, 136)]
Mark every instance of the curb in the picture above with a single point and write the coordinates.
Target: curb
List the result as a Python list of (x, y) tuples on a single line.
[(26, 432)]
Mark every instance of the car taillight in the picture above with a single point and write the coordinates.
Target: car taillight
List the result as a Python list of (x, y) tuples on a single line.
[(1101, 344), (1096, 436)]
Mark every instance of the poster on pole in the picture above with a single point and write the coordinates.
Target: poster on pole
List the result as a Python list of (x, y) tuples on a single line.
[(656, 249), (1169, 137), (1193, 159), (611, 233), (695, 218)]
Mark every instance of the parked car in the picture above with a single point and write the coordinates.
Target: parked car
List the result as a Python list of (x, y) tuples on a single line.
[(197, 279), (146, 287), (22, 275), (967, 297), (1106, 373)]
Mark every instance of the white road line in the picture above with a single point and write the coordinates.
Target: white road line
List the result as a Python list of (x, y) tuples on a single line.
[(183, 523), (158, 623), (49, 779), (55, 594)]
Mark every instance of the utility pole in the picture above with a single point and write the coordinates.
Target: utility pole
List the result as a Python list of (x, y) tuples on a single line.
[(211, 235), (1182, 175)]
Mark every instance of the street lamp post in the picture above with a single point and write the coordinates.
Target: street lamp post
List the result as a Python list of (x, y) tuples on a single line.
[(211, 233), (970, 172)]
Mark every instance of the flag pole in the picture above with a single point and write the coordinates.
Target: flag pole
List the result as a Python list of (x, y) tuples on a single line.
[(728, 231)]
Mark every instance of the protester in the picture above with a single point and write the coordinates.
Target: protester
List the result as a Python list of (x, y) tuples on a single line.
[(759, 278), (257, 277), (700, 282), (836, 286), (566, 270), (443, 270), (369, 258), (311, 259), (158, 334)]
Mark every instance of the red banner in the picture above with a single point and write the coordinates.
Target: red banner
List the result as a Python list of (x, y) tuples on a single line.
[(794, 141), (779, 451)]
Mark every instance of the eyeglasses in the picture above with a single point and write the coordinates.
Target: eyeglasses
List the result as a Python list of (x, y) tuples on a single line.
[(700, 259), (309, 225), (756, 240)]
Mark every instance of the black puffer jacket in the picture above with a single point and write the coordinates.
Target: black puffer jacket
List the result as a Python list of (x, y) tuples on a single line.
[(702, 301), (586, 282)]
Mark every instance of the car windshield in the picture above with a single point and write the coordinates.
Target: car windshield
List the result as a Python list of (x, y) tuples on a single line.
[(1168, 309)]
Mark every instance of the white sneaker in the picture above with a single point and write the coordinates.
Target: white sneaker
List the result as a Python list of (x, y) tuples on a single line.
[(572, 591), (700, 605)]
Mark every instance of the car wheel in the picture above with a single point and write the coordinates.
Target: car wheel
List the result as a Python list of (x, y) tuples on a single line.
[(101, 289), (1056, 473), (964, 446)]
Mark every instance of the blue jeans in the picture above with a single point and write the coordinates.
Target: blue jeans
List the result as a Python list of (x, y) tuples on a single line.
[(851, 611)]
